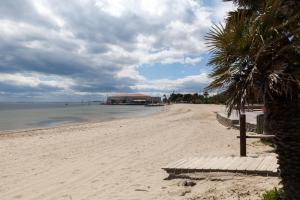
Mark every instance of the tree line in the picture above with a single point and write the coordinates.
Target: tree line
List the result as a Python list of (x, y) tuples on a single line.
[(195, 98)]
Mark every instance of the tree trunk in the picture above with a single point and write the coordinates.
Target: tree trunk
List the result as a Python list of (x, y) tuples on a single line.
[(283, 120)]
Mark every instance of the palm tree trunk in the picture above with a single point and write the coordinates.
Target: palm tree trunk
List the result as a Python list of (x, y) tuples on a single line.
[(283, 120)]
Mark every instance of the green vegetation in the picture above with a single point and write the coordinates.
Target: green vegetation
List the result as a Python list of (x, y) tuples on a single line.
[(196, 98), (186, 98), (274, 194), (256, 54)]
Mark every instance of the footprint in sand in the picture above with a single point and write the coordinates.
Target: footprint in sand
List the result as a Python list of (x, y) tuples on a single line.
[(18, 196)]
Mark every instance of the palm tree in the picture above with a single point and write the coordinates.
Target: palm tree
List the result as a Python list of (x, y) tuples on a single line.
[(165, 99), (257, 53), (205, 94)]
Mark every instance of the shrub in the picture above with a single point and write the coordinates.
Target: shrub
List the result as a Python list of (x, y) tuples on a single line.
[(275, 194)]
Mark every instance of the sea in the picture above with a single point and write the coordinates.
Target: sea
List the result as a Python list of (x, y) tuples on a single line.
[(27, 115)]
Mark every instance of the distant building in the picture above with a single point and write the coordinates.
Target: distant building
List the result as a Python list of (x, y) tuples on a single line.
[(132, 99)]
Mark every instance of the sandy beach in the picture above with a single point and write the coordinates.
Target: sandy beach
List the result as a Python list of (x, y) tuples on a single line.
[(122, 159)]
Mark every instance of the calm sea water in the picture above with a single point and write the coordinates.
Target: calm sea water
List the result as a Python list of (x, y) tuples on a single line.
[(35, 115)]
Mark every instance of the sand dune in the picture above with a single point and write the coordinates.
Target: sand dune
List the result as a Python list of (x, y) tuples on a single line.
[(122, 159)]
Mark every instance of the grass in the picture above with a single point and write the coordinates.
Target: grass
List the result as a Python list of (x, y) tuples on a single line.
[(274, 194)]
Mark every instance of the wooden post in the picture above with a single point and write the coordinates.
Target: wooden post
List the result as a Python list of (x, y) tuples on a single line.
[(260, 124), (243, 135)]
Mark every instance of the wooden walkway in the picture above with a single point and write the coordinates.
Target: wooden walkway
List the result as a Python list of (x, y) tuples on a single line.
[(266, 166)]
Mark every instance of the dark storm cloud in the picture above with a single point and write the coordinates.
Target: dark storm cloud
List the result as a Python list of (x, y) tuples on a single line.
[(59, 63)]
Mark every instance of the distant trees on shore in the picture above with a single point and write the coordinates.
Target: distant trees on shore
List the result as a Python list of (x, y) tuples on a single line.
[(195, 98), (205, 98)]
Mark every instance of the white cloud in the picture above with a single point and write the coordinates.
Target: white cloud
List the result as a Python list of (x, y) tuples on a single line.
[(44, 9), (130, 72), (95, 46), (192, 61), (187, 84), (35, 80)]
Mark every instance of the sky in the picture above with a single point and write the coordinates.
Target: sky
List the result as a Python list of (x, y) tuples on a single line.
[(54, 50)]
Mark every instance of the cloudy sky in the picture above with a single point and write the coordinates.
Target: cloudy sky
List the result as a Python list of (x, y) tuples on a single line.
[(54, 50)]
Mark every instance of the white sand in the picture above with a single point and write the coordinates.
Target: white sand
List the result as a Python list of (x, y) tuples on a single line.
[(122, 159)]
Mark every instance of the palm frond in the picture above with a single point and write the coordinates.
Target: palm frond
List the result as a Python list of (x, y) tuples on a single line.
[(257, 51)]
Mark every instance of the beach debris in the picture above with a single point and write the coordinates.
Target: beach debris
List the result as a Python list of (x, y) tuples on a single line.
[(141, 190), (186, 183), (195, 177)]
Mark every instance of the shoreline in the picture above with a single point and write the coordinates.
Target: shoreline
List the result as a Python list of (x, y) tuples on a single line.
[(5, 133), (122, 159)]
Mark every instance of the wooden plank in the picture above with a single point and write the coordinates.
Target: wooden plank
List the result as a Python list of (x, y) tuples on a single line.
[(173, 164), (202, 163), (259, 136), (218, 163), (187, 164), (211, 165), (197, 163), (208, 163), (222, 162), (232, 161), (193, 165), (273, 164), (214, 162), (235, 166), (245, 162), (262, 165), (227, 162), (179, 163), (253, 165), (269, 162)]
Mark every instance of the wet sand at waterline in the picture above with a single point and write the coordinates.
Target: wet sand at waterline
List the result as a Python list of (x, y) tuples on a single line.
[(122, 159)]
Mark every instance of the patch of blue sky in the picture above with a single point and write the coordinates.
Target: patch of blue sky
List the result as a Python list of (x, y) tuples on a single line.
[(156, 71)]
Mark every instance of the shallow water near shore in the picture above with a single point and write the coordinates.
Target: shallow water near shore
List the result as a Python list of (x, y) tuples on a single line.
[(15, 116)]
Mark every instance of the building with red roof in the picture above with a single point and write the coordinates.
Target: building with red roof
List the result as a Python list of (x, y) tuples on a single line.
[(132, 99)]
